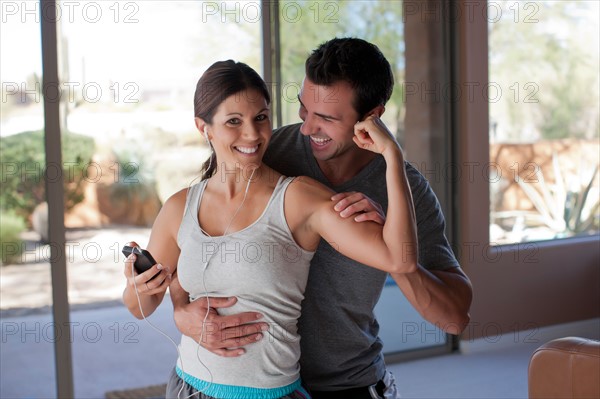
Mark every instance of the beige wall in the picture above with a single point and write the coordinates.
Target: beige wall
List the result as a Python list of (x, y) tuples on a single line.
[(536, 285)]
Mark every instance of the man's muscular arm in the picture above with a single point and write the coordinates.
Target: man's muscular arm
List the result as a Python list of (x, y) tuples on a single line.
[(223, 335), (442, 297)]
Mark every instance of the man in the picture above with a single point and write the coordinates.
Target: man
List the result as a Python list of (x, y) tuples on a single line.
[(346, 80)]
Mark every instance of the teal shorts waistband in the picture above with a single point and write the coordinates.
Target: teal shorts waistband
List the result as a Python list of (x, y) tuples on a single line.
[(223, 391)]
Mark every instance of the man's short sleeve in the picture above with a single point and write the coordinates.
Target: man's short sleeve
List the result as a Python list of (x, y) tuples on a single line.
[(435, 252)]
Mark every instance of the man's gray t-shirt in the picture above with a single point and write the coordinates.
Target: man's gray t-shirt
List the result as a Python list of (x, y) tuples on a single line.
[(340, 347)]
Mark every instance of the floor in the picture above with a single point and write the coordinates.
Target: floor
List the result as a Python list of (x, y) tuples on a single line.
[(498, 373), (112, 351)]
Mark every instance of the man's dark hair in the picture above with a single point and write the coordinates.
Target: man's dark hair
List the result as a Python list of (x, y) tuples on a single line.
[(357, 62)]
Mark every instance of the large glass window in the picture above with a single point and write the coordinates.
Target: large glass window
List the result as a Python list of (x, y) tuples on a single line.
[(544, 115)]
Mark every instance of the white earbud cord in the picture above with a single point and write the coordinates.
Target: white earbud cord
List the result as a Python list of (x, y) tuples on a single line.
[(241, 204), (153, 326), (205, 294), (204, 322), (171, 340)]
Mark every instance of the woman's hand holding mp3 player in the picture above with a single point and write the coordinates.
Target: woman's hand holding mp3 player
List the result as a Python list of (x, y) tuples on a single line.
[(143, 259), (148, 276)]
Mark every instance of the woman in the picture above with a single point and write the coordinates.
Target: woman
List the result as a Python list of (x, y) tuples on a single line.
[(248, 231)]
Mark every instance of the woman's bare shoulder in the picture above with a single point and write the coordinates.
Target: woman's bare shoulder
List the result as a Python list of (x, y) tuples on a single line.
[(305, 199), (307, 196), (307, 186), (174, 206), (177, 200)]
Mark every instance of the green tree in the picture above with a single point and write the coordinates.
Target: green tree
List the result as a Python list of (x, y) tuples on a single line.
[(22, 186)]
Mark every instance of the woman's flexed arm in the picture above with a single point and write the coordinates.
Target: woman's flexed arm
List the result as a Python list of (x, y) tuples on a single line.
[(400, 228), (392, 247)]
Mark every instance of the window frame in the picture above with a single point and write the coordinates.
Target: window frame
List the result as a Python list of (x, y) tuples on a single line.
[(63, 358)]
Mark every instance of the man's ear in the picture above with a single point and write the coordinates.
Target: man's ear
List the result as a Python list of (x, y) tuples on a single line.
[(377, 111)]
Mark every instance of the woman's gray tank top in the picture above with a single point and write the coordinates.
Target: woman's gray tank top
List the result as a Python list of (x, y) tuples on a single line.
[(263, 267)]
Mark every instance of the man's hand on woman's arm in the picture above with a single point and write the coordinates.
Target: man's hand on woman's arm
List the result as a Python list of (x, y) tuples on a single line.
[(358, 205), (222, 335)]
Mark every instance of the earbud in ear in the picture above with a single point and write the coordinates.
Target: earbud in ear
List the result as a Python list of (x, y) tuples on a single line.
[(206, 135)]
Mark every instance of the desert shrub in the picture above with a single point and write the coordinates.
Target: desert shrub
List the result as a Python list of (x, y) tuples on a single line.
[(11, 245), (22, 183)]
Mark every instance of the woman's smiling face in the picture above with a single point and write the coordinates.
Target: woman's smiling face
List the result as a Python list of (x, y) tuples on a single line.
[(241, 130)]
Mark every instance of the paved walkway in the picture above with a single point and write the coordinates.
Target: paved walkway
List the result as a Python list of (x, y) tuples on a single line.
[(94, 271), (110, 348)]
